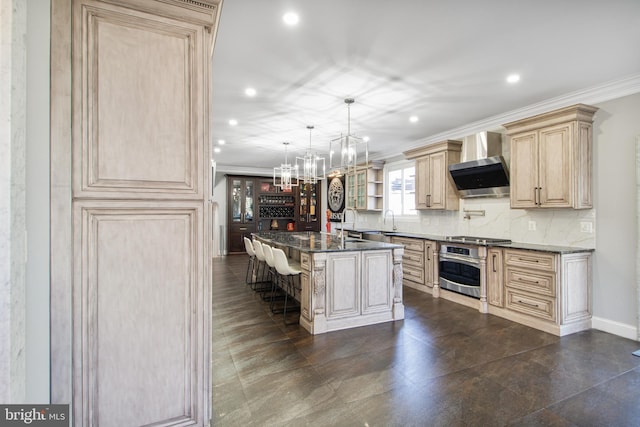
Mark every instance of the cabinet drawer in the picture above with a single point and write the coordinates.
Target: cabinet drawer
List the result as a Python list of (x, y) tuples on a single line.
[(415, 274), (534, 305), (538, 282), (530, 259), (413, 258), (409, 243)]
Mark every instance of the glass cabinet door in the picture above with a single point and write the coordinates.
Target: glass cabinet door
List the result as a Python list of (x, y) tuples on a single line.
[(361, 184), (248, 203), (350, 199), (242, 201), (236, 195), (308, 203)]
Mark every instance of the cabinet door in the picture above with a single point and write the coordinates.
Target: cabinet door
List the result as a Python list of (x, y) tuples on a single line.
[(430, 263), (524, 170), (308, 219), (556, 166), (437, 195), (422, 182), (361, 190), (241, 200), (350, 198), (495, 278)]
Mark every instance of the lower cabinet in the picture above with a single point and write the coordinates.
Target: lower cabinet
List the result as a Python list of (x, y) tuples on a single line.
[(413, 270), (237, 233), (419, 263), (495, 277), (547, 291), (431, 263), (347, 289)]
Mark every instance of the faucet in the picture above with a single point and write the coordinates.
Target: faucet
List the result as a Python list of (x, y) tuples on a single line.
[(393, 218), (344, 214)]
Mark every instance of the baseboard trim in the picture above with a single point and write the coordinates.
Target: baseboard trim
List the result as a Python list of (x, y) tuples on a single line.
[(615, 328)]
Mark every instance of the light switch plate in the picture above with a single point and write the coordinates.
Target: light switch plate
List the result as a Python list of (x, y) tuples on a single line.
[(532, 226)]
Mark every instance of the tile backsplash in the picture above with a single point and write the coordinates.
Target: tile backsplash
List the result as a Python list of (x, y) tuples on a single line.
[(563, 227)]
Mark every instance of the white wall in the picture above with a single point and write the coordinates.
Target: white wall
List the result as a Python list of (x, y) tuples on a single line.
[(37, 287), (615, 302), (13, 124)]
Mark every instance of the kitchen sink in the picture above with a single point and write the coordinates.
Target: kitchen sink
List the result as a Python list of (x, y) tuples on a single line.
[(376, 237)]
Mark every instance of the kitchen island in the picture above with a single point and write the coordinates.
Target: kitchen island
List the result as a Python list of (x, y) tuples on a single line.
[(343, 284)]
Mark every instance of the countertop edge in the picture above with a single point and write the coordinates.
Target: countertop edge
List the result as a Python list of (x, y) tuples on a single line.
[(513, 245)]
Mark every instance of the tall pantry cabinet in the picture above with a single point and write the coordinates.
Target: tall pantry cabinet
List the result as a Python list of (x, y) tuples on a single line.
[(130, 275)]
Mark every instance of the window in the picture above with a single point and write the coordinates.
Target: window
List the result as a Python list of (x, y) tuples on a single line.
[(401, 188)]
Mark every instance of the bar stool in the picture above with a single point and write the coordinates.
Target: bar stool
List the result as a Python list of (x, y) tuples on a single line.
[(288, 272), (248, 246), (261, 262), (271, 274)]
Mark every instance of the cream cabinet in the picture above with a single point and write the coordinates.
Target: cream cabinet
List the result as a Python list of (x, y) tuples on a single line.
[(434, 188), (131, 268), (365, 188), (413, 270), (551, 159), (419, 262), (545, 290), (430, 263), (495, 277), (349, 288)]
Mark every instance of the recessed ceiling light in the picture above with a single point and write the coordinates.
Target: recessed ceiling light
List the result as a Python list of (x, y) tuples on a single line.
[(365, 138), (291, 18), (413, 119), (250, 91), (233, 122), (221, 142), (216, 150), (513, 78)]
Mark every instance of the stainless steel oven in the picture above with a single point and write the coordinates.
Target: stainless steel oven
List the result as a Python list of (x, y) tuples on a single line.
[(460, 269)]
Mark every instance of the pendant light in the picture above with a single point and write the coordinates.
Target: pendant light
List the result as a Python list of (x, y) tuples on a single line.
[(312, 165), (345, 152), (286, 176)]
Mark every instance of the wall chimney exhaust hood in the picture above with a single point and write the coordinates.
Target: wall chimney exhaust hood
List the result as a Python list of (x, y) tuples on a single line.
[(485, 173)]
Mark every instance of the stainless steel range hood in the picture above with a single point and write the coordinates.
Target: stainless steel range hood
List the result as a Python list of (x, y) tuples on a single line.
[(486, 173)]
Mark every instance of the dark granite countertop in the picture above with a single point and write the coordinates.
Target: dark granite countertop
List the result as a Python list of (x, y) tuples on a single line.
[(320, 242), (512, 245)]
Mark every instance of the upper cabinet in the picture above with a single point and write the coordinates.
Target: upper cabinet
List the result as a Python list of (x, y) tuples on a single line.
[(434, 187), (551, 159), (365, 187)]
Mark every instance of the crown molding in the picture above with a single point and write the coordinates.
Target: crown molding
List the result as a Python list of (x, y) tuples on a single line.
[(243, 170), (593, 95)]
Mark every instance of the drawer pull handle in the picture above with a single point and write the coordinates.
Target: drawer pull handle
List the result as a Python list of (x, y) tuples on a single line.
[(528, 281), (528, 259), (243, 228), (530, 304)]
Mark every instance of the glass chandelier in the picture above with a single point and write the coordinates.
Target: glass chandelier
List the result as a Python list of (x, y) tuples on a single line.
[(351, 149), (312, 165), (286, 176)]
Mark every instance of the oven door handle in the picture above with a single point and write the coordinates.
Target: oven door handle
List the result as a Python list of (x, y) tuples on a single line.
[(461, 260)]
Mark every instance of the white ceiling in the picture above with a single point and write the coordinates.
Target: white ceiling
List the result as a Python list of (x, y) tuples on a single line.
[(443, 61)]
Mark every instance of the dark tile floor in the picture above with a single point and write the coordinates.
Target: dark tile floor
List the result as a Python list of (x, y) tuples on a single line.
[(444, 365)]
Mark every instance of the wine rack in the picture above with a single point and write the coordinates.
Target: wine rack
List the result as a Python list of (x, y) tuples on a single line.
[(277, 211)]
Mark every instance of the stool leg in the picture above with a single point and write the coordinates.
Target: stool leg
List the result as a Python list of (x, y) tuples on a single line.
[(249, 269), (290, 290)]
